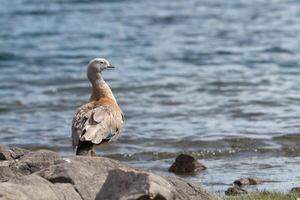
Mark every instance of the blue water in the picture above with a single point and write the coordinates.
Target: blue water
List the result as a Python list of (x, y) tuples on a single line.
[(216, 79)]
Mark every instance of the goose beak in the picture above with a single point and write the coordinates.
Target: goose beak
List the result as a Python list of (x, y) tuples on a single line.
[(110, 67)]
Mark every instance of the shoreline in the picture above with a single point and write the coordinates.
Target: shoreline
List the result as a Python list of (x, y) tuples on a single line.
[(48, 167), (44, 174)]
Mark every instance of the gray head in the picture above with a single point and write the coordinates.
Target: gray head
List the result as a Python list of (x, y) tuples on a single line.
[(95, 67)]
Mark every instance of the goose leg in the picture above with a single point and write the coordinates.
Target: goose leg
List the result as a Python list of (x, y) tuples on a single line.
[(86, 148)]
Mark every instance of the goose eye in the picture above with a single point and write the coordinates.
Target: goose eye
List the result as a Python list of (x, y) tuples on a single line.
[(101, 62)]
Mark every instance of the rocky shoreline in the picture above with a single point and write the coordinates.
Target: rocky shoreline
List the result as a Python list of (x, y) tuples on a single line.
[(45, 175)]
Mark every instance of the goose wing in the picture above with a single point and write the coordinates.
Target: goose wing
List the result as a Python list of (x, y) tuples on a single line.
[(96, 124)]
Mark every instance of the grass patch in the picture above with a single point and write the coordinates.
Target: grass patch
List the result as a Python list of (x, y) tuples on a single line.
[(265, 196)]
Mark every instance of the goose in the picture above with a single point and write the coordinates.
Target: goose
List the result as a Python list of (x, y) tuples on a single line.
[(100, 120)]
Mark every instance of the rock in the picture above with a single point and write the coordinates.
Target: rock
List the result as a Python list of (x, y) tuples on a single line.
[(28, 187), (6, 173), (190, 190), (7, 153), (44, 175), (235, 190), (35, 188), (186, 164), (35, 161), (18, 152), (140, 185), (247, 181), (132, 184), (67, 191), (295, 190), (86, 174)]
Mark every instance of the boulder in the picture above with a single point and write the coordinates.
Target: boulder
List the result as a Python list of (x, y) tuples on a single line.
[(86, 174), (45, 175), (133, 184), (7, 153), (247, 181), (6, 173), (34, 161), (235, 190), (28, 187), (295, 190), (139, 185), (186, 164), (191, 191), (33, 187)]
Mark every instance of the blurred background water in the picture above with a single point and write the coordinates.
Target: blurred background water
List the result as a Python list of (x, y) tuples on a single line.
[(216, 79)]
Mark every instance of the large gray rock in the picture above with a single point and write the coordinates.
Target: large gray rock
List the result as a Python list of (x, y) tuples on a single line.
[(139, 185), (6, 173), (86, 174), (133, 184), (11, 153), (33, 187), (190, 190), (44, 175), (34, 161)]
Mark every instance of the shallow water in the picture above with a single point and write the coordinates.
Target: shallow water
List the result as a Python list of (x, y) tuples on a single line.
[(216, 79)]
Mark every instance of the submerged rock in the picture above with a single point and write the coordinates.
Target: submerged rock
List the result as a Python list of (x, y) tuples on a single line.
[(247, 181), (140, 185), (186, 164), (295, 190), (44, 175), (235, 190)]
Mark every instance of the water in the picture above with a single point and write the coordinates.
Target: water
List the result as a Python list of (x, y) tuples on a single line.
[(216, 79)]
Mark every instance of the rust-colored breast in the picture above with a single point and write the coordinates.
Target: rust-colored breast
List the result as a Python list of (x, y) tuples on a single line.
[(110, 102)]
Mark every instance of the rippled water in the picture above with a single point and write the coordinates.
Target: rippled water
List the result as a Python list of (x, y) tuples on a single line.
[(216, 79)]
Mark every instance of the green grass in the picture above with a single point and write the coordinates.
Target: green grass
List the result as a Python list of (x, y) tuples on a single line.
[(264, 196)]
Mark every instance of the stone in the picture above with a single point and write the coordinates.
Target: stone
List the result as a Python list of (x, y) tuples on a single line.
[(186, 164), (247, 181), (34, 187), (139, 185), (18, 152), (12, 153), (28, 187), (5, 153), (43, 175), (190, 190), (66, 191), (6, 173), (132, 184), (295, 190), (35, 161), (235, 190), (86, 174)]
